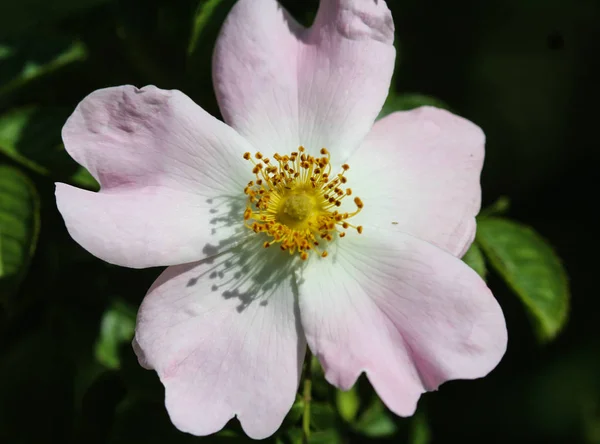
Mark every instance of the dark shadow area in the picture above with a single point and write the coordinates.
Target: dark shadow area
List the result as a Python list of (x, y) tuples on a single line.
[(249, 272)]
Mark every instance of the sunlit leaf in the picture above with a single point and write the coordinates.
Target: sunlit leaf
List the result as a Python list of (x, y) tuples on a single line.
[(474, 259), (19, 226), (348, 403), (31, 136), (116, 328), (531, 268), (405, 102)]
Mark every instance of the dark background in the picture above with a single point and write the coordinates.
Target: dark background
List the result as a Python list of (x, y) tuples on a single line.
[(526, 71)]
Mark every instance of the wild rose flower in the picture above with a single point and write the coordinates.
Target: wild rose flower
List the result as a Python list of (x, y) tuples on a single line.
[(372, 220)]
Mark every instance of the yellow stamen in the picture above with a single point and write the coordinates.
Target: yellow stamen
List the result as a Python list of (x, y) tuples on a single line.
[(294, 199)]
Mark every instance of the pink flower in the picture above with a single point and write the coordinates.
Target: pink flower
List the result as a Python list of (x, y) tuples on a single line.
[(227, 324)]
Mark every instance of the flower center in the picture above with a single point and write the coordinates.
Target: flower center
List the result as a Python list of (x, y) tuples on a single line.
[(295, 201), (297, 207)]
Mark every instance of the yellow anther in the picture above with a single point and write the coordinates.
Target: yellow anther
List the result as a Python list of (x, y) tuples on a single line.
[(294, 202)]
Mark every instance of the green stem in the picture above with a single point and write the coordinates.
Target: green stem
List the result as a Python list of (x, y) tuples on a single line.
[(306, 395)]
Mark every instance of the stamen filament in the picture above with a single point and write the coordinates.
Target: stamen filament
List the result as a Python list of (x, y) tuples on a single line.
[(294, 200)]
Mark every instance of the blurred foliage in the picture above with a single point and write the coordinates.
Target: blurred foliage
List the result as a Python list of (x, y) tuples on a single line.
[(474, 259), (116, 328), (26, 61), (526, 72), (19, 228)]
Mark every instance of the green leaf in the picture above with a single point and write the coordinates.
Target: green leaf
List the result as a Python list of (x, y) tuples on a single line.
[(24, 62), (320, 387), (1, 264), (208, 20), (116, 328), (330, 436), (295, 412), (83, 178), (31, 136), (19, 226), (207, 11), (405, 102), (375, 422), (348, 403), (294, 435), (322, 415), (498, 208), (532, 270), (474, 259), (420, 433)]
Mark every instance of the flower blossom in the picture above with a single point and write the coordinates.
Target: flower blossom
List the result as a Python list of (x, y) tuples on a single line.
[(298, 222)]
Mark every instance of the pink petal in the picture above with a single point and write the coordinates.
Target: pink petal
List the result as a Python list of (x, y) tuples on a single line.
[(172, 178), (418, 172), (405, 312), (224, 337), (282, 85)]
